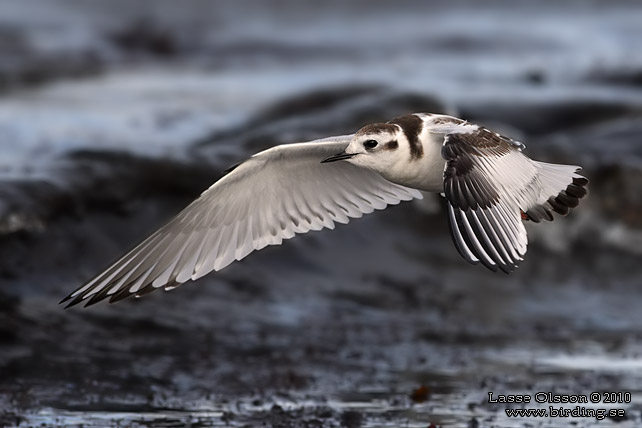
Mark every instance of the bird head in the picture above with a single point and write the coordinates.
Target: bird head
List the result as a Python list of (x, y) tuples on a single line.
[(375, 146)]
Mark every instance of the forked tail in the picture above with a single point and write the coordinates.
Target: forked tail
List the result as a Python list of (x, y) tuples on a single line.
[(562, 189)]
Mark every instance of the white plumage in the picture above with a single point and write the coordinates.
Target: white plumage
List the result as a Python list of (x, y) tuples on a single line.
[(490, 185)]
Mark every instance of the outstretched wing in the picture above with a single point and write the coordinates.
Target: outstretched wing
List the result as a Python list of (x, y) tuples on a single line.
[(491, 187), (270, 197)]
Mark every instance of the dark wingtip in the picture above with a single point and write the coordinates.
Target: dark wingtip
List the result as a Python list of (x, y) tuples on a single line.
[(576, 191), (91, 302), (580, 181), (489, 266), (120, 295), (558, 206), (562, 203), (570, 197), (507, 269), (73, 302)]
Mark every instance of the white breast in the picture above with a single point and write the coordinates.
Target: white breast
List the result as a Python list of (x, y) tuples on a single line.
[(425, 173)]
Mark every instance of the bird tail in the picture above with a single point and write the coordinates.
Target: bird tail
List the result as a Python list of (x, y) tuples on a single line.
[(561, 189)]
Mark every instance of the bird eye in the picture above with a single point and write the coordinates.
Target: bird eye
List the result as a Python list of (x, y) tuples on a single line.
[(370, 144)]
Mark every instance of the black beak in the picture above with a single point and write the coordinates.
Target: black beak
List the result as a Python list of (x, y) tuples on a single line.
[(339, 156)]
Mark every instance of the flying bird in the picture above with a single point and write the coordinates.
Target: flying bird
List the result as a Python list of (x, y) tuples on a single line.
[(490, 185)]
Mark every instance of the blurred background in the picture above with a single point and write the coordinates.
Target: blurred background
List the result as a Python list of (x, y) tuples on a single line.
[(115, 115)]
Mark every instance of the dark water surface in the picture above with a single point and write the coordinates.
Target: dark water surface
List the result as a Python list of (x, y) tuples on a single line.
[(114, 115)]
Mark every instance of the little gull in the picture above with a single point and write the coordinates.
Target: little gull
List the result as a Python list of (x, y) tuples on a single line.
[(491, 187)]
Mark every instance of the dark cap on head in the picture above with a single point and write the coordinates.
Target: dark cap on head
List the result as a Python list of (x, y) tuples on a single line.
[(377, 128)]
